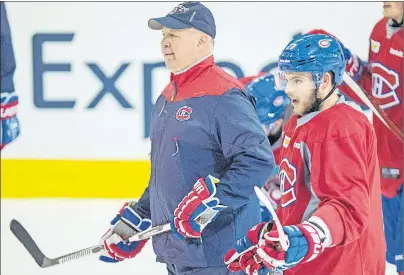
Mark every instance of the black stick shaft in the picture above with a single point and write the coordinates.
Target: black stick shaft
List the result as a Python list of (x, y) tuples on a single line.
[(23, 236)]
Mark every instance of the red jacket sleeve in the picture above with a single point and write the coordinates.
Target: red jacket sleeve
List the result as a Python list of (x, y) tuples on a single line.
[(341, 182)]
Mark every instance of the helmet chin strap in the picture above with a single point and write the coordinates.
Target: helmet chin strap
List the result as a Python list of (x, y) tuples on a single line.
[(315, 107)]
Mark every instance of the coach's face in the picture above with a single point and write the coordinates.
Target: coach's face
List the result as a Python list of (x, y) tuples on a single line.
[(180, 48)]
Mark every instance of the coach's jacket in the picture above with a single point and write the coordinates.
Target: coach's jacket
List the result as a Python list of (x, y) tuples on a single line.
[(204, 123)]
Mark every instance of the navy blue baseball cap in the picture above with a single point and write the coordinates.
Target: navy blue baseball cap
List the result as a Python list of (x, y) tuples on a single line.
[(187, 15)]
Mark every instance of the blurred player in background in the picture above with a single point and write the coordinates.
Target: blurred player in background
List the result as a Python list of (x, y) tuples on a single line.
[(273, 109), (208, 152), (331, 201), (10, 128), (382, 78)]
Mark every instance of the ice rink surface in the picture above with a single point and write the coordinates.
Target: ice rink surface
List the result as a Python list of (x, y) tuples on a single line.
[(61, 226)]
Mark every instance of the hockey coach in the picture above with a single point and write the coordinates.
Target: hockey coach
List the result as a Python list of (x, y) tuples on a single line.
[(208, 151)]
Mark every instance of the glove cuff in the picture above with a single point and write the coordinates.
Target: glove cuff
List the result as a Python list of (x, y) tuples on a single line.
[(322, 230), (206, 187), (131, 218), (311, 233), (128, 221)]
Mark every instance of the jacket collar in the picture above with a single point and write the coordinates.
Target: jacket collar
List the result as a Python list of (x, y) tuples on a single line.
[(193, 71)]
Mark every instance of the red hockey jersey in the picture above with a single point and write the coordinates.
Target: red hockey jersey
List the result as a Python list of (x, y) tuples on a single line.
[(383, 80), (330, 170)]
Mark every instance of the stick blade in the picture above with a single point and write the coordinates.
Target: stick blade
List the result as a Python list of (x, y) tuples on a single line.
[(22, 235)]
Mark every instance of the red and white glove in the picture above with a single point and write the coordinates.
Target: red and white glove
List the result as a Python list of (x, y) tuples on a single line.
[(354, 66), (9, 123), (123, 226), (197, 209), (305, 243), (244, 255)]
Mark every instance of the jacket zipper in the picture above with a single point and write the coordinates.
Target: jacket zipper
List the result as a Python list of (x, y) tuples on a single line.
[(174, 92), (159, 151)]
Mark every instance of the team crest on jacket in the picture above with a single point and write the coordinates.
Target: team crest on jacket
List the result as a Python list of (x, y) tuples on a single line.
[(183, 113)]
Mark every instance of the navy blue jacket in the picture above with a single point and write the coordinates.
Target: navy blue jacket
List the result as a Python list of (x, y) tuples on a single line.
[(204, 123), (9, 124), (7, 53)]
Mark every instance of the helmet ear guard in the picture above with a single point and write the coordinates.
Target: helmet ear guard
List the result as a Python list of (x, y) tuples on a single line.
[(318, 78)]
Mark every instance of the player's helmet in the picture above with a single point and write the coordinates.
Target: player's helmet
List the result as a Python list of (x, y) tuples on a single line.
[(316, 54), (270, 102)]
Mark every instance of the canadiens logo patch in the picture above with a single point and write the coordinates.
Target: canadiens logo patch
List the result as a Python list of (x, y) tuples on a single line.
[(324, 43), (183, 113), (385, 82)]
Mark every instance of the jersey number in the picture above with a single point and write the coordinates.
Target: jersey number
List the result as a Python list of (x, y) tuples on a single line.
[(384, 85), (287, 176)]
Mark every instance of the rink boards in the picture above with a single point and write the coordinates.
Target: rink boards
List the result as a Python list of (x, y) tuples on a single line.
[(87, 85), (73, 178)]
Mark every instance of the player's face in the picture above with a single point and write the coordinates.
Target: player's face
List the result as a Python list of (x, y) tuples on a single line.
[(393, 10), (179, 48), (300, 89)]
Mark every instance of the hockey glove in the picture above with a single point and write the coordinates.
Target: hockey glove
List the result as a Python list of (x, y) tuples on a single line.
[(354, 65), (197, 209), (9, 124), (304, 241), (123, 226), (244, 255)]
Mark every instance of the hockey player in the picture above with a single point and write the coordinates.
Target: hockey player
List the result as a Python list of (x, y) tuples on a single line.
[(10, 127), (330, 182), (208, 152), (273, 109), (382, 78), (271, 105)]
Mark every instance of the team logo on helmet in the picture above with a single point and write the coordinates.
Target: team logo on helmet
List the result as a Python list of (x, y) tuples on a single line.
[(183, 113), (278, 101), (324, 43), (179, 9)]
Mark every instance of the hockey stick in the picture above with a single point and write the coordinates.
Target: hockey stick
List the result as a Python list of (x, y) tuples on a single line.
[(282, 237), (25, 238), (387, 121)]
